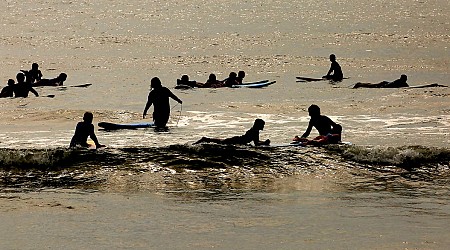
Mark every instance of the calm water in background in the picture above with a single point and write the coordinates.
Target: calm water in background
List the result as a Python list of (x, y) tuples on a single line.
[(155, 191)]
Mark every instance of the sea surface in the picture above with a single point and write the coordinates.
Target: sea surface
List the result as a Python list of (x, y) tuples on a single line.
[(388, 189)]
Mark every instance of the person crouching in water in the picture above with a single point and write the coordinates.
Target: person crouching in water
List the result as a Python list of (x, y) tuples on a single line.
[(329, 131), (83, 130), (159, 97), (251, 135)]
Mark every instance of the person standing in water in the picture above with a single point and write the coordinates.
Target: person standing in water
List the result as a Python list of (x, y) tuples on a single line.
[(22, 88), (159, 98), (83, 130), (335, 69)]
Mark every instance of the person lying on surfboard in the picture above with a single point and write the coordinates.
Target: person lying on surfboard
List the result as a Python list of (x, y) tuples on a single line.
[(251, 135), (399, 83), (212, 82), (83, 130), (240, 77), (159, 98), (184, 81), (58, 81), (231, 80), (335, 69), (329, 131)]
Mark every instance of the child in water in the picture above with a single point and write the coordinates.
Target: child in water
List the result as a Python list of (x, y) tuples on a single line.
[(251, 135), (83, 130)]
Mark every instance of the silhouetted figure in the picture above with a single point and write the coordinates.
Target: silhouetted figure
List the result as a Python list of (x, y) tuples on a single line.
[(240, 77), (252, 135), (8, 91), (159, 97), (34, 74), (83, 130), (22, 88), (58, 81), (231, 80), (186, 82), (212, 82), (335, 69), (399, 83), (329, 131)]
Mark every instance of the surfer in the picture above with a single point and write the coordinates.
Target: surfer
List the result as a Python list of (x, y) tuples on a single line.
[(240, 77), (212, 82), (335, 69), (8, 91), (22, 88), (399, 83), (231, 80), (34, 74), (184, 81), (83, 130), (58, 81), (159, 97), (329, 131), (251, 135)]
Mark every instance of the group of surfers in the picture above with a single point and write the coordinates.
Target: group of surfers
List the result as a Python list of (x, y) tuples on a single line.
[(27, 79), (212, 82), (329, 131)]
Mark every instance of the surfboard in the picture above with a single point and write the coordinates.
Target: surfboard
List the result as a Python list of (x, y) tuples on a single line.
[(254, 85), (312, 79), (427, 86), (299, 144), (116, 126)]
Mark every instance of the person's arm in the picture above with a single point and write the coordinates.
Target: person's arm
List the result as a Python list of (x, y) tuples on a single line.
[(148, 105), (94, 137), (308, 130), (173, 96), (34, 91)]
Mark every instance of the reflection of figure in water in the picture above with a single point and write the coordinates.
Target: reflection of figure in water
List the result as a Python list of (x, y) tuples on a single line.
[(212, 82), (159, 97), (329, 131), (34, 74), (399, 83), (335, 69), (185, 81), (231, 80), (83, 130), (22, 88), (58, 81), (240, 77), (251, 135), (8, 91)]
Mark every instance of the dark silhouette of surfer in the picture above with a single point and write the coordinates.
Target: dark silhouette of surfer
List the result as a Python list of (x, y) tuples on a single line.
[(8, 91), (159, 98), (240, 77), (34, 74), (84, 130), (22, 88), (252, 135), (57, 81), (335, 68), (399, 83), (231, 80), (329, 131), (184, 81)]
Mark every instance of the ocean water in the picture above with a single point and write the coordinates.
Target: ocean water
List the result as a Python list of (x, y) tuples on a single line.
[(389, 189)]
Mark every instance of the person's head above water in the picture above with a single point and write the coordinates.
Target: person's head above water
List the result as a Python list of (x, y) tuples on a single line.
[(88, 117), (185, 78), (34, 66), (241, 74), (62, 76), (212, 78), (11, 82), (403, 78), (155, 83), (259, 124), (232, 75), (20, 77), (332, 57), (314, 110)]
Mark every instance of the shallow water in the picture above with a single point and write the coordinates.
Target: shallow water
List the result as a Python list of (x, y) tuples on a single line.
[(148, 190)]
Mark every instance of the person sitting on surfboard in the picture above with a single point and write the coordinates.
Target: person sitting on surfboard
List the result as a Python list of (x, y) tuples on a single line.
[(240, 77), (58, 81), (22, 88), (83, 130), (159, 97), (34, 74), (335, 69), (329, 131), (8, 91), (251, 135), (399, 83)]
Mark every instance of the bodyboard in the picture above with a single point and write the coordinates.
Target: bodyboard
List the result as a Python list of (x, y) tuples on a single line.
[(116, 126)]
